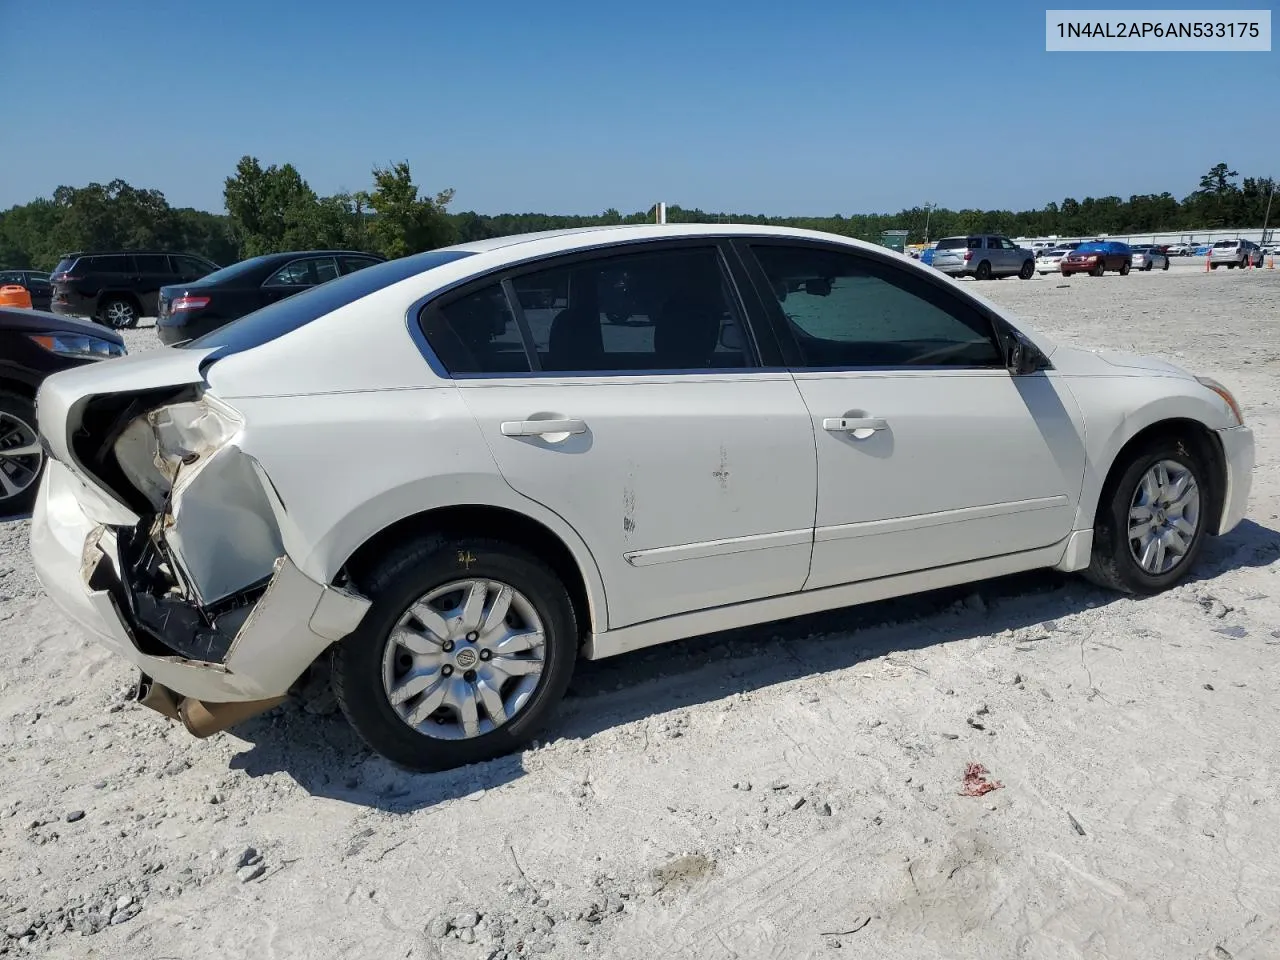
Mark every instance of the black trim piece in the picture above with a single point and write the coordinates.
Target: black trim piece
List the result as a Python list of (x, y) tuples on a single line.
[(522, 324)]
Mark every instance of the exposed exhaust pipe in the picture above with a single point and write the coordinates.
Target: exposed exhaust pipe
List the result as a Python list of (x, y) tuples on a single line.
[(201, 719)]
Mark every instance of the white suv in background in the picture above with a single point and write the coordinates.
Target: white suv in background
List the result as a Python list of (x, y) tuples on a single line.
[(456, 473), (1235, 253)]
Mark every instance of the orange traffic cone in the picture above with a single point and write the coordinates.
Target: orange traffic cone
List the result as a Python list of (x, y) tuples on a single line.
[(1271, 264), (1208, 255)]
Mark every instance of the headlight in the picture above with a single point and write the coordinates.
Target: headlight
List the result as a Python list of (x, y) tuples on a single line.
[(1225, 394), (78, 345)]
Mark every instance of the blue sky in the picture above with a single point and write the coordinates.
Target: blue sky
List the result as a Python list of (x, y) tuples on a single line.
[(813, 107)]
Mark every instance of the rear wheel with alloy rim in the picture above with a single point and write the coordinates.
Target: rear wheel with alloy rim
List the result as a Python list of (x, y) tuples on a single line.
[(1151, 521), (119, 314), (463, 655), (21, 457)]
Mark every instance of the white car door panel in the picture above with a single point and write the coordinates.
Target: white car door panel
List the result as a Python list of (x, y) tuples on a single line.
[(690, 493), (968, 464), (649, 428), (929, 451)]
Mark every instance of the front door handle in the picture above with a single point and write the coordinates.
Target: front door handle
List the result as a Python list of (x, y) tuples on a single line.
[(539, 428), (854, 424)]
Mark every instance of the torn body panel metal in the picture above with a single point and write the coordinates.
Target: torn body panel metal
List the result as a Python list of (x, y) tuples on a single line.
[(200, 595)]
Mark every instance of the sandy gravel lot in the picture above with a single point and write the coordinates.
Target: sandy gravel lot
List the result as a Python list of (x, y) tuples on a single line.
[(789, 791)]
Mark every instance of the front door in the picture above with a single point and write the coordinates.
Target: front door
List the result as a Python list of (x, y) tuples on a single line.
[(644, 420), (929, 451)]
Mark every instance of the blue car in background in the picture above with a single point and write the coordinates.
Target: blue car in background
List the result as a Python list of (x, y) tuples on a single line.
[(926, 256)]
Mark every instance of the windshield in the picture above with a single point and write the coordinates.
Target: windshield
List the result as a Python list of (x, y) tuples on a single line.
[(285, 316)]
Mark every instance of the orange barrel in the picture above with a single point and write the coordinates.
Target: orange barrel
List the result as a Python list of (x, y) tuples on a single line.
[(14, 295)]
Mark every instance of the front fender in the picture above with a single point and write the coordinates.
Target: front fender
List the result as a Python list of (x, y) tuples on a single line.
[(1117, 408)]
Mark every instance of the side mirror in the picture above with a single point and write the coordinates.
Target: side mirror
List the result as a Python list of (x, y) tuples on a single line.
[(1023, 357)]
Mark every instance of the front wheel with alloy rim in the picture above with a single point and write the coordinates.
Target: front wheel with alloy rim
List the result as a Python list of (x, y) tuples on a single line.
[(119, 314), (1028, 270), (1124, 269), (1151, 520), (21, 457), (983, 272), (467, 648)]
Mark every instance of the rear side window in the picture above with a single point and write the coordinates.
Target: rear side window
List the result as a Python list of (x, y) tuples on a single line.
[(476, 334), (108, 264), (352, 264), (285, 316)]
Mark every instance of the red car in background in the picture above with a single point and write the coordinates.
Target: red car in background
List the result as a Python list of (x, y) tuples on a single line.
[(1097, 257)]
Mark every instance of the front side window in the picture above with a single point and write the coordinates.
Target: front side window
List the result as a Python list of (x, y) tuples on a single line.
[(639, 312), (846, 310), (189, 268)]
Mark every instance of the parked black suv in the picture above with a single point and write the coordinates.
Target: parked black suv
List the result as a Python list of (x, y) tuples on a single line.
[(118, 288)]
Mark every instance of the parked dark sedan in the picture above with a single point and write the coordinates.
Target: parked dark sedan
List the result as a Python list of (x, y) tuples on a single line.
[(1097, 257), (36, 283), (191, 310), (34, 344)]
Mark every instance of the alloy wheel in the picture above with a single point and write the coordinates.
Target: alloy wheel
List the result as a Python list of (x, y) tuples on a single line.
[(20, 456), (119, 314), (1164, 517), (464, 659)]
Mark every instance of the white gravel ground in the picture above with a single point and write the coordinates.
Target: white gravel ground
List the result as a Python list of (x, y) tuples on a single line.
[(789, 791)]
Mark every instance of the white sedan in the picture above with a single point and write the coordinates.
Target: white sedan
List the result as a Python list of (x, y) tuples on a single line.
[(453, 476)]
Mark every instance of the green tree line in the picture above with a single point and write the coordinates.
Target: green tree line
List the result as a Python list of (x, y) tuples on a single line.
[(273, 208)]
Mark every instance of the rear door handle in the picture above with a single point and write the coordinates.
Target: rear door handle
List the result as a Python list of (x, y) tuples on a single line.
[(851, 424), (538, 428)]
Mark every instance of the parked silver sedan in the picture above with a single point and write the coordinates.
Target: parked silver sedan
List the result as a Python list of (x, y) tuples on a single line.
[(1148, 257)]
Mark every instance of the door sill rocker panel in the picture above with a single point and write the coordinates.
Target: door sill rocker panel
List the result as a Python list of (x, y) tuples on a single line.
[(654, 632)]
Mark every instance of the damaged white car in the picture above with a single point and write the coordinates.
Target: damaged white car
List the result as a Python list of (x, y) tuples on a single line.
[(456, 473)]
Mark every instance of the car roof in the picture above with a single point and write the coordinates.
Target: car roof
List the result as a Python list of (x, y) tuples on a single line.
[(582, 238), (122, 253)]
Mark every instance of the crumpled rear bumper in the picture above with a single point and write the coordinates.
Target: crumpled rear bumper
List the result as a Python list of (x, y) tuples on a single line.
[(78, 562)]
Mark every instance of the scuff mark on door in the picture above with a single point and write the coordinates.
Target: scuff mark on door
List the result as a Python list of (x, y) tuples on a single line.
[(722, 472)]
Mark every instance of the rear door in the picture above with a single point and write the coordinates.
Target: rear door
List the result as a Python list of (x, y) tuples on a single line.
[(151, 272), (623, 391), (930, 452)]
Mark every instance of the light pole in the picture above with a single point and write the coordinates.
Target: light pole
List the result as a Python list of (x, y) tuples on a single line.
[(1267, 216), (928, 212)]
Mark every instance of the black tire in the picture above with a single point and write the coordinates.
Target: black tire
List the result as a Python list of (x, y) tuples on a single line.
[(1214, 266), (1112, 564), (406, 575), (984, 271), (1166, 264), (1099, 270), (1124, 269), (1149, 267), (1028, 270), (118, 313), (18, 471)]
